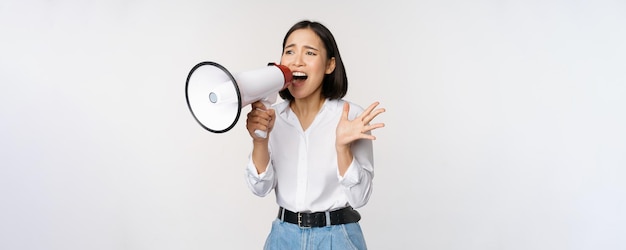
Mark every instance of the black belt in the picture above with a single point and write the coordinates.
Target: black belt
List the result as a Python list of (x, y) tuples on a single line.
[(319, 219)]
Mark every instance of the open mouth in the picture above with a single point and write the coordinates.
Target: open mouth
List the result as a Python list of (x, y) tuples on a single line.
[(299, 76)]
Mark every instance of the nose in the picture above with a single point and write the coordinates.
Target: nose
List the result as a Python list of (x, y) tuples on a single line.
[(297, 60)]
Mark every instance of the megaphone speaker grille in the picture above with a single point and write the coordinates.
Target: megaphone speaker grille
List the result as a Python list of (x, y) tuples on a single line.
[(213, 97)]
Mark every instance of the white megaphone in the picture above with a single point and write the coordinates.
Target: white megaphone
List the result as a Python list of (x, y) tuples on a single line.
[(215, 96)]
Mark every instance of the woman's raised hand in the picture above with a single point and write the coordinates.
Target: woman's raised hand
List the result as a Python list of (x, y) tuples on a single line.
[(359, 128)]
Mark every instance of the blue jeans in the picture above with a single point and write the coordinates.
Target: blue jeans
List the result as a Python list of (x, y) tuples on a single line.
[(287, 236)]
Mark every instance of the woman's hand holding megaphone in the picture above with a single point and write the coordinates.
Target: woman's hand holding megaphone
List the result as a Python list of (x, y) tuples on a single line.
[(260, 119)]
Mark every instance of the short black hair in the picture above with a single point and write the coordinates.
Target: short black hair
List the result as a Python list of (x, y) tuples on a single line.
[(335, 84)]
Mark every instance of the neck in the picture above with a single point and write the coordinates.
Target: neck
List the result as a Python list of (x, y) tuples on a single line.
[(307, 106), (306, 110)]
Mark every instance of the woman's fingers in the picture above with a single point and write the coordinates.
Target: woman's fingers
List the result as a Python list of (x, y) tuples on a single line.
[(359, 128), (346, 110), (260, 118), (370, 113), (368, 128), (258, 105)]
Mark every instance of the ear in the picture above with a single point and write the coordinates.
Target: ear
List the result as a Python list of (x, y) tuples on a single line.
[(330, 66)]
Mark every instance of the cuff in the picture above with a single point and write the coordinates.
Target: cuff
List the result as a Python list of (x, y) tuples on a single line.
[(352, 176), (256, 177)]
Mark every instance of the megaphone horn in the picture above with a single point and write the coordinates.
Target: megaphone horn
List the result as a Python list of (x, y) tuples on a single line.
[(215, 96)]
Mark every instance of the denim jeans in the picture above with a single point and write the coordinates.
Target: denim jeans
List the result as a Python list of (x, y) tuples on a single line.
[(287, 236)]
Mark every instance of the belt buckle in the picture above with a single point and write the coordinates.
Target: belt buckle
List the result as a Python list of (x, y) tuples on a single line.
[(300, 221)]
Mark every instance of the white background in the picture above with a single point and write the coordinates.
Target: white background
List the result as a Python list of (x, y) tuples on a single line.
[(506, 122)]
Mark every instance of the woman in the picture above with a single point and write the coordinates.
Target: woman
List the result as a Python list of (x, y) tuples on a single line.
[(318, 155)]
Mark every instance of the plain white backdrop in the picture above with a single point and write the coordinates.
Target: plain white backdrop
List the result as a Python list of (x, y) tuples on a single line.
[(506, 122)]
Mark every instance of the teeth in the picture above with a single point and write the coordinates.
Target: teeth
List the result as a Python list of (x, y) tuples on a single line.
[(299, 75)]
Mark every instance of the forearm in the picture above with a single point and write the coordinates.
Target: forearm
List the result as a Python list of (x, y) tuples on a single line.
[(358, 175), (260, 156), (344, 158)]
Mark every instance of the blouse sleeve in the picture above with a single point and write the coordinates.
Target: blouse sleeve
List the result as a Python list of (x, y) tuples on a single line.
[(357, 180), (260, 184)]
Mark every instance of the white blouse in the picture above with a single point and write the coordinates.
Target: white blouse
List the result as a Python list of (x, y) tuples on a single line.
[(303, 167)]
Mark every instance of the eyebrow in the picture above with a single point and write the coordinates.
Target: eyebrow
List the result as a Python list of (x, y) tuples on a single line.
[(305, 46)]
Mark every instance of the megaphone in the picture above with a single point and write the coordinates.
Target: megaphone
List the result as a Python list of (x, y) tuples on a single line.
[(215, 96)]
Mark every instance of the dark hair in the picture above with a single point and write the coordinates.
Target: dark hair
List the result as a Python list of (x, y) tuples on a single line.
[(335, 84)]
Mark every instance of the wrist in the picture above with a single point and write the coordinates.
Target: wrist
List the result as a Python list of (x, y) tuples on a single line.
[(260, 142), (342, 148)]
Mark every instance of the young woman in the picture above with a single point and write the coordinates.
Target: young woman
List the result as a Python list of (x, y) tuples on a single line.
[(318, 155)]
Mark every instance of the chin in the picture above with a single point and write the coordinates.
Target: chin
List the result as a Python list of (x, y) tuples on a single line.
[(295, 92)]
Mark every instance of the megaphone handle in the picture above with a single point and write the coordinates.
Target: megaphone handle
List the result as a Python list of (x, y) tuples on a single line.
[(258, 132)]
